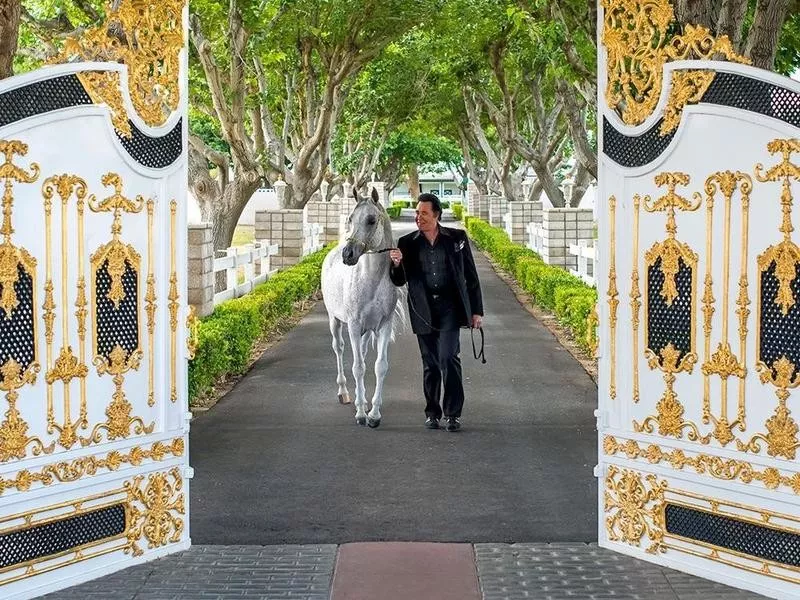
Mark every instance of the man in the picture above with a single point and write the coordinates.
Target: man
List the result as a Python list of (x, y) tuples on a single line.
[(444, 294)]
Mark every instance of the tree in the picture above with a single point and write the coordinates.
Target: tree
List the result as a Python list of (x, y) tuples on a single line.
[(275, 76), (10, 13)]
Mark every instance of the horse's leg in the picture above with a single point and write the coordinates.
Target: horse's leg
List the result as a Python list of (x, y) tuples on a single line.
[(358, 372), (338, 348), (381, 368)]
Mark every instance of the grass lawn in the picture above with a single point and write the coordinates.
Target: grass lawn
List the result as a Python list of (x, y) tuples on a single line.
[(244, 234)]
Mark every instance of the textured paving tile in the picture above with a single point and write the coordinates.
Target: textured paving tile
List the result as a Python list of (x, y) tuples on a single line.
[(586, 571), (221, 572)]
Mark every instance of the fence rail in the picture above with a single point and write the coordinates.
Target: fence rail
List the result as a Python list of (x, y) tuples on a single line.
[(249, 258), (536, 237), (586, 261), (312, 238)]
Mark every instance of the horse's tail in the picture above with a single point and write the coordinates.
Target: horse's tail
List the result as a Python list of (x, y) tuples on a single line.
[(400, 321)]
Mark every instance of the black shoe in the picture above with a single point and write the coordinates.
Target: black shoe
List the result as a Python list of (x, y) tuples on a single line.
[(453, 424), (432, 423)]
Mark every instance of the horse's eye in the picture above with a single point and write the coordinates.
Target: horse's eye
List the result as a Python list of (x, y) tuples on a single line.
[(371, 220)]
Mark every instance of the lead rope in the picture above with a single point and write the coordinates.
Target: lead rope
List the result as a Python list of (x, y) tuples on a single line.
[(477, 355)]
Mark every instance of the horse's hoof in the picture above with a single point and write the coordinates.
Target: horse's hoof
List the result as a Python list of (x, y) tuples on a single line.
[(344, 398), (362, 421), (373, 422)]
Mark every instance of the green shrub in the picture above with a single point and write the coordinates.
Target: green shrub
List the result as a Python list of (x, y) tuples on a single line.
[(445, 204), (458, 211), (551, 287), (394, 211), (226, 338), (402, 203)]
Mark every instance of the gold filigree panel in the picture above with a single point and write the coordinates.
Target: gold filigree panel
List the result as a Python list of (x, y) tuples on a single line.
[(19, 365), (154, 508), (670, 260), (633, 505), (148, 39), (779, 264), (704, 464), (640, 37), (723, 362), (88, 466)]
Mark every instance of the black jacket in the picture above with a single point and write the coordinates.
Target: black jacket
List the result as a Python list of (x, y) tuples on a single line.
[(462, 271)]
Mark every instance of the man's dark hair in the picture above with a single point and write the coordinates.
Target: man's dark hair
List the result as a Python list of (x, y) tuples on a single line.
[(435, 203)]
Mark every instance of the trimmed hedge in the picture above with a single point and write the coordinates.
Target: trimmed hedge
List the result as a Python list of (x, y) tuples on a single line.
[(458, 211), (227, 336), (394, 211), (551, 287)]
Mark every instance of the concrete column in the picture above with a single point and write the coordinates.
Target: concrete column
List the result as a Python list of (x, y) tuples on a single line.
[(522, 213), (327, 215), (280, 191), (323, 188), (201, 268), (285, 228), (498, 207), (565, 226)]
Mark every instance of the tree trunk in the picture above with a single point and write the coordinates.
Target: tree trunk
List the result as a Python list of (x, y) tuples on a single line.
[(762, 41), (413, 182), (10, 12), (536, 191), (549, 185), (696, 12)]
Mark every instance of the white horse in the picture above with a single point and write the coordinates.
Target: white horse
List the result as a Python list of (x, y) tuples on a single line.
[(357, 292)]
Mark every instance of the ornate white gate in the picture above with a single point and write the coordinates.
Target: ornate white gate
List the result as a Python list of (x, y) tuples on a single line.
[(699, 292), (93, 345)]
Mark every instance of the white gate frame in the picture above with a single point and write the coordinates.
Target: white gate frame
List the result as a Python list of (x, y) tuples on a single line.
[(673, 448), (106, 441)]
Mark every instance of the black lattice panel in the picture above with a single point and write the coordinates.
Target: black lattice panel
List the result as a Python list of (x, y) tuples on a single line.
[(669, 323), (155, 153), (41, 541), (17, 333), (732, 534), (779, 334), (634, 150), (727, 89), (41, 97), (117, 325), (740, 91)]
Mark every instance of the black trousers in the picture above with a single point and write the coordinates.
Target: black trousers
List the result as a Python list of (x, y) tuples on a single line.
[(441, 363)]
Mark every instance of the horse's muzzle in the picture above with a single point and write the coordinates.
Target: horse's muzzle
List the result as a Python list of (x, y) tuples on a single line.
[(350, 254)]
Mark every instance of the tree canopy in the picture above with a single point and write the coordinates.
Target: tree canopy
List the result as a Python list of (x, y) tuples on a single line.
[(353, 90)]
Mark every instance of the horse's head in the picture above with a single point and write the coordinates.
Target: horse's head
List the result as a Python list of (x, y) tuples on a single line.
[(366, 228)]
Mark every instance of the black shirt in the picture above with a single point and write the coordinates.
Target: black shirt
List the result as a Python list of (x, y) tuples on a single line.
[(433, 260)]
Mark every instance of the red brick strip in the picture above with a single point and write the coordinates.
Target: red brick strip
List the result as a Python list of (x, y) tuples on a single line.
[(403, 570)]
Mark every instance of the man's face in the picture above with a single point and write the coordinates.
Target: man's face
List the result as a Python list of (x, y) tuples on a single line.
[(426, 218)]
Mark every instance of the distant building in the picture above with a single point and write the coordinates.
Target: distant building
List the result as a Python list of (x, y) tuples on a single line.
[(444, 185)]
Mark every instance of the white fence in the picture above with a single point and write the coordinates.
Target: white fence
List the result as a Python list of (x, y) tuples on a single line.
[(586, 261), (536, 237), (250, 257)]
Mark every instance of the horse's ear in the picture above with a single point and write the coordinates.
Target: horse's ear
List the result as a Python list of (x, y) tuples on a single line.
[(375, 195), (355, 194)]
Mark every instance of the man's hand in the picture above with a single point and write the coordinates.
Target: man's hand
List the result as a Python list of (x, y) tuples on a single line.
[(396, 256), (477, 321)]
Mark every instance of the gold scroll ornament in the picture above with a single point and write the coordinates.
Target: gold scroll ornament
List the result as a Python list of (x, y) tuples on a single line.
[(782, 429), (14, 439), (147, 37), (639, 40), (634, 508), (671, 253), (613, 294)]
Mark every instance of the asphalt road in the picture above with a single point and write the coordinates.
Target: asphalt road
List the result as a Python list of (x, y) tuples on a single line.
[(280, 461)]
